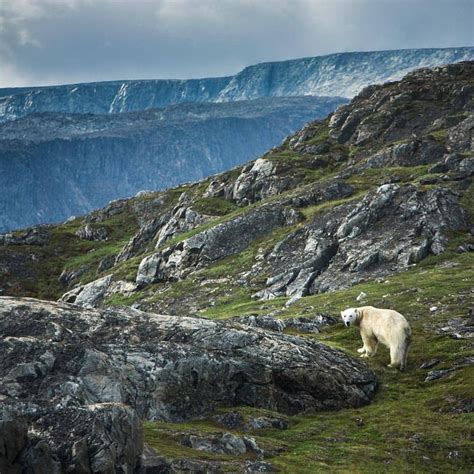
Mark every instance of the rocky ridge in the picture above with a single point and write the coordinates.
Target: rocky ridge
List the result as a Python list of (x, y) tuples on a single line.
[(422, 124), (343, 74), (117, 366)]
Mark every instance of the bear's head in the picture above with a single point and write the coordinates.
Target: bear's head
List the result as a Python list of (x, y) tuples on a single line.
[(349, 316)]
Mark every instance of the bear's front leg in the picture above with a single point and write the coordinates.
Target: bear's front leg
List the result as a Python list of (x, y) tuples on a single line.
[(370, 345)]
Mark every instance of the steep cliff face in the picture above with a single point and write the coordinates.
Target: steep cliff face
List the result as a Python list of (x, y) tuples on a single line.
[(54, 165), (343, 74)]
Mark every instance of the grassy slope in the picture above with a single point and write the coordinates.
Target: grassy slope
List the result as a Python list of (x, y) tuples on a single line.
[(408, 427)]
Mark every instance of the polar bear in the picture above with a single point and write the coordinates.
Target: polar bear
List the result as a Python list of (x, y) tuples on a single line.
[(381, 325)]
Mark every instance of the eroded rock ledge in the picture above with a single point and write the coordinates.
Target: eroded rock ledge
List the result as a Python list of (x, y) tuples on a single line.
[(125, 364)]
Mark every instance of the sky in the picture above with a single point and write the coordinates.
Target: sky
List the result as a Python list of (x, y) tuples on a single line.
[(46, 42)]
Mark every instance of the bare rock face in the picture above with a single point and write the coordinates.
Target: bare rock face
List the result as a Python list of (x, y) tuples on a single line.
[(89, 295), (184, 219), (35, 236), (388, 230), (87, 375), (104, 437), (386, 113), (258, 181), (213, 244), (146, 233), (89, 232)]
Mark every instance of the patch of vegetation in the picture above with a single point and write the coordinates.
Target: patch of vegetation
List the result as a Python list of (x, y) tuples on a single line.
[(311, 212), (320, 136), (282, 155), (376, 176), (411, 426), (440, 135), (214, 206)]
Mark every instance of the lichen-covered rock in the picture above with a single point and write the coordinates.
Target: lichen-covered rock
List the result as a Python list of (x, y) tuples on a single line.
[(421, 103), (74, 381), (388, 230), (166, 367), (88, 232), (40, 437), (213, 244), (89, 295), (106, 263), (234, 420), (35, 236), (302, 324), (67, 277), (145, 235), (183, 219), (258, 181), (223, 443), (412, 153)]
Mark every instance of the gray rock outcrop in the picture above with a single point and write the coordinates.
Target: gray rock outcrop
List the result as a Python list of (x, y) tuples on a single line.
[(86, 376), (89, 232), (89, 295), (388, 230), (213, 244)]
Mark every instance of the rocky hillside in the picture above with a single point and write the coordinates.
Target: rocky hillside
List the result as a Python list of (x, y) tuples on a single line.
[(343, 74), (372, 205), (73, 163), (59, 142)]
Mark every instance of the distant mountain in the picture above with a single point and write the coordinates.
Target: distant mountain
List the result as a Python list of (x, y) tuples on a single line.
[(343, 74), (54, 165)]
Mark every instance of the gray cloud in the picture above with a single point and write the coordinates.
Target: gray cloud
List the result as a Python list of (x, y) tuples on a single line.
[(63, 41)]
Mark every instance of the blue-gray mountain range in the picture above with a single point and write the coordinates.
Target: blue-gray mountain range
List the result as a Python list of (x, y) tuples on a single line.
[(67, 149)]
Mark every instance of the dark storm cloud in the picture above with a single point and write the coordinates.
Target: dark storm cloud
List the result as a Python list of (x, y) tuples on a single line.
[(59, 41)]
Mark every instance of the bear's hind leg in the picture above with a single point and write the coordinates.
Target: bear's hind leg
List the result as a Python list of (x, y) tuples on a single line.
[(406, 347), (395, 356)]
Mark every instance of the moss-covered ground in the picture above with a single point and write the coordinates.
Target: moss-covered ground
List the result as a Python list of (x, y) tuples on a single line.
[(412, 425)]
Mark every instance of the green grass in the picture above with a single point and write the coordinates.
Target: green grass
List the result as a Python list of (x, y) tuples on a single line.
[(376, 176), (214, 206), (440, 135), (321, 135), (409, 426)]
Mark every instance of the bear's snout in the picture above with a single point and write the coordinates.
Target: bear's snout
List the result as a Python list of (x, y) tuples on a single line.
[(347, 323)]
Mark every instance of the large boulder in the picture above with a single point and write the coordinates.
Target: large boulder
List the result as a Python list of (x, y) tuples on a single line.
[(89, 295), (167, 367), (91, 373)]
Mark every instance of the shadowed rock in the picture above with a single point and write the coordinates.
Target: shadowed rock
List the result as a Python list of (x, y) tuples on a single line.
[(163, 367)]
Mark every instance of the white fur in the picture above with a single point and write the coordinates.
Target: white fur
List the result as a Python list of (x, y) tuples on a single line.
[(381, 325)]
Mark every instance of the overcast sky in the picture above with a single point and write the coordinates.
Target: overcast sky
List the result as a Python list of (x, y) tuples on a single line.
[(64, 41)]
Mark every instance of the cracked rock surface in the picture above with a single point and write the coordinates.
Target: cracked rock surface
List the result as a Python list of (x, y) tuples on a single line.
[(388, 230), (125, 364)]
